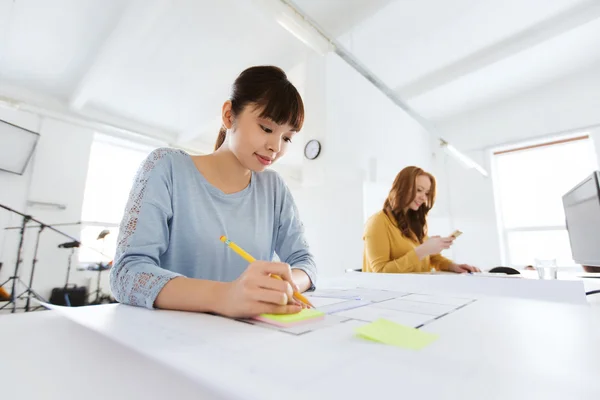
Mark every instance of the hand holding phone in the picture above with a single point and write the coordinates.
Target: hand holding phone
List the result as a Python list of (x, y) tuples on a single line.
[(456, 234)]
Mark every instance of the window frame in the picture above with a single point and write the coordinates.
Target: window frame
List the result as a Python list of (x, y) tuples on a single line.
[(513, 147), (135, 144)]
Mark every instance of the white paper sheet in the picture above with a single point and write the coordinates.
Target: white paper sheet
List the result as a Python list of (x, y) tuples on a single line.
[(427, 298), (372, 313), (319, 302), (374, 294), (329, 320), (346, 305), (562, 291), (358, 293), (336, 293), (417, 307)]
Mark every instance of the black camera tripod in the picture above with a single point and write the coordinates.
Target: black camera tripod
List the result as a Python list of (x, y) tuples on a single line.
[(15, 279)]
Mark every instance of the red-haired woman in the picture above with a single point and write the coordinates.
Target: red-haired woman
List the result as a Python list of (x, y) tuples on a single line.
[(396, 238)]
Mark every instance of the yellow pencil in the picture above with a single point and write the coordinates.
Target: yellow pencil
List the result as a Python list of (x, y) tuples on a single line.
[(251, 259)]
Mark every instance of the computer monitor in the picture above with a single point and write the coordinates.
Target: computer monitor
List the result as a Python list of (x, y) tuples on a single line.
[(582, 212)]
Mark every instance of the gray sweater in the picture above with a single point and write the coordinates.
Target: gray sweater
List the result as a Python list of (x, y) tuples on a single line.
[(175, 217)]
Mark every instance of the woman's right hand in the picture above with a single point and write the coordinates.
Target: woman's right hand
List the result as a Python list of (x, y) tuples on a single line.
[(255, 292), (434, 245)]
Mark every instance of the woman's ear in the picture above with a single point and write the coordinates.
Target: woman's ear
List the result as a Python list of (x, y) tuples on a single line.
[(227, 114)]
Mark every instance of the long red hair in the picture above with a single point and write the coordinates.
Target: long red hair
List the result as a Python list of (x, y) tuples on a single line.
[(412, 224)]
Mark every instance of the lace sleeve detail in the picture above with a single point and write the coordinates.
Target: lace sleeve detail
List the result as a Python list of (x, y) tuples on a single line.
[(136, 277), (139, 288), (136, 196)]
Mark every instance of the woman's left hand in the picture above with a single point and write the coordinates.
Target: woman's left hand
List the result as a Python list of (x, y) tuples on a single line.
[(463, 268)]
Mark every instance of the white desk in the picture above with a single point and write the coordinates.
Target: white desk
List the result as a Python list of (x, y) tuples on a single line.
[(495, 348), (525, 286), (46, 356), (591, 281)]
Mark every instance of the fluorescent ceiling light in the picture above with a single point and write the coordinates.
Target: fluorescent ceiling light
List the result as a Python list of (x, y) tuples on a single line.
[(10, 104), (295, 24), (462, 158)]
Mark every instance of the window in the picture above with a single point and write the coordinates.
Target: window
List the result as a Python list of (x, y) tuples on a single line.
[(112, 167), (529, 183)]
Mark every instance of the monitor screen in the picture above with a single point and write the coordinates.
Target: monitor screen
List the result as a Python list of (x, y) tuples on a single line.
[(582, 212), (16, 147)]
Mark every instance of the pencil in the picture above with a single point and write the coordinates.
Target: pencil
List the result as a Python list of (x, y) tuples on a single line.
[(251, 259)]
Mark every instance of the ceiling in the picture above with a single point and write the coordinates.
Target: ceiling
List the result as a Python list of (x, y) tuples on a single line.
[(157, 64), (163, 67), (448, 57)]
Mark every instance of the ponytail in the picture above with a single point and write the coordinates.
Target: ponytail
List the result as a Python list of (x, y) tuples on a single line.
[(221, 138)]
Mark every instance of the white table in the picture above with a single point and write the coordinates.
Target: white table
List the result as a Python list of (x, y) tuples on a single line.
[(495, 348), (591, 281), (46, 356), (568, 289)]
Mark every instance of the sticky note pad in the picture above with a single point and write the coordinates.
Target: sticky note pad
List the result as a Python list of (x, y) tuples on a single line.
[(285, 320), (394, 334)]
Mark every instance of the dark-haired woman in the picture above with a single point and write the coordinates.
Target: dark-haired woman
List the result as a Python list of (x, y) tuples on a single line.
[(169, 255), (396, 237)]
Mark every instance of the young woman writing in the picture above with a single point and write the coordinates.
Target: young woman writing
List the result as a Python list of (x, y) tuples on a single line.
[(169, 254)]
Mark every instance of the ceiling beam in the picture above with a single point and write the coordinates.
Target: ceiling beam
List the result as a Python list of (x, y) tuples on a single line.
[(544, 31), (27, 101), (305, 29), (138, 19), (308, 31)]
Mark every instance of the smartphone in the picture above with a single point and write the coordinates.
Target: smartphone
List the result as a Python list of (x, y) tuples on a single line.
[(456, 234)]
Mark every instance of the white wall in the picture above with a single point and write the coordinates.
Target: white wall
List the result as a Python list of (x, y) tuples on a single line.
[(569, 104), (56, 174), (468, 204), (357, 125), (595, 135)]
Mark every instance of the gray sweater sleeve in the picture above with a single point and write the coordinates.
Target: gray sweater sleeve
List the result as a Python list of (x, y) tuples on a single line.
[(291, 245), (136, 277)]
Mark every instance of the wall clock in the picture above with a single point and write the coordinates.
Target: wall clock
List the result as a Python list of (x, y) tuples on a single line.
[(312, 149)]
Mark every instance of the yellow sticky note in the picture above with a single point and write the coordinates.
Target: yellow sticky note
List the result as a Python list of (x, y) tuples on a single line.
[(291, 319), (388, 332)]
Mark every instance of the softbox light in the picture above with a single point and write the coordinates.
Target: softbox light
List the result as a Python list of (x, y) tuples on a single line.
[(16, 147)]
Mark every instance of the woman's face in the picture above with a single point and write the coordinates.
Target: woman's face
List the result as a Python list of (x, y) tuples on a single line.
[(423, 184), (256, 142)]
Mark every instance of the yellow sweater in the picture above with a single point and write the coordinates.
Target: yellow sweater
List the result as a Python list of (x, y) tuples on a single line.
[(388, 250)]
